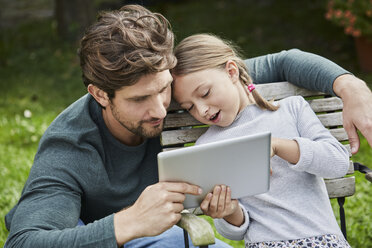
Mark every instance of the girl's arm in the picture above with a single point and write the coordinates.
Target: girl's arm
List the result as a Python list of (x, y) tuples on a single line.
[(320, 153), (285, 149)]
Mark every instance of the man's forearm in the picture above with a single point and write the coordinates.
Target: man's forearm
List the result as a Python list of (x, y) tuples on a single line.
[(97, 234), (304, 69)]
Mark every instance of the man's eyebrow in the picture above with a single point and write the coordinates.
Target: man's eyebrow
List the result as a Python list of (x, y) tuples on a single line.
[(167, 85), (144, 96)]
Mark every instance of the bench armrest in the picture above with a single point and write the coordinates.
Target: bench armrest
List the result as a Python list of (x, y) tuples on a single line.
[(200, 231)]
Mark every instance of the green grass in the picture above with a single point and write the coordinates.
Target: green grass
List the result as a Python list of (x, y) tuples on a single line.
[(41, 74), (38, 74)]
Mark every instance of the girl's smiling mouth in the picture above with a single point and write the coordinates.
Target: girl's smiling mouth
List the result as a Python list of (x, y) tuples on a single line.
[(216, 117)]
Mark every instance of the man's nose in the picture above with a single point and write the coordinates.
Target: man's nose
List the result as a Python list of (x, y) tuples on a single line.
[(158, 107)]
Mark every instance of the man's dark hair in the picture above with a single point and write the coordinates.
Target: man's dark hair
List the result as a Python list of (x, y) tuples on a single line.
[(124, 45)]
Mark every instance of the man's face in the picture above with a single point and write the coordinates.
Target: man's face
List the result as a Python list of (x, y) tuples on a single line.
[(140, 109)]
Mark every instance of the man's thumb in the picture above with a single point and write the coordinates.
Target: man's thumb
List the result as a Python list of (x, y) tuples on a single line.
[(353, 139)]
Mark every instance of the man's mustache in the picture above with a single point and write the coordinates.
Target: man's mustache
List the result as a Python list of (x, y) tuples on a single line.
[(152, 120)]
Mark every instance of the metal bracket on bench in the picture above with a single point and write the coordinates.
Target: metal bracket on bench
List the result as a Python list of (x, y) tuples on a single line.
[(363, 169)]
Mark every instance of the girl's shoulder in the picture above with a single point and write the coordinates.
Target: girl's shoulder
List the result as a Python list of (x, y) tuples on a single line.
[(292, 105), (292, 100)]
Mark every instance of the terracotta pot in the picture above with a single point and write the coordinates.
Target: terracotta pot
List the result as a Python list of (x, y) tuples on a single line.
[(364, 50)]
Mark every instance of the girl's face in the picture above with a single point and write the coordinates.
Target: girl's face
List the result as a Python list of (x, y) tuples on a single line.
[(212, 96)]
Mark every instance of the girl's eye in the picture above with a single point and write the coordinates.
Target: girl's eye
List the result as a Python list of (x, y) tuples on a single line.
[(189, 109), (206, 94)]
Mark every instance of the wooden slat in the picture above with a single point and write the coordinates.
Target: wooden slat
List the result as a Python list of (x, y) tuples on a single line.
[(340, 187), (281, 90), (339, 133), (326, 104), (175, 120), (181, 136), (184, 119), (170, 148), (351, 168), (331, 119), (318, 105)]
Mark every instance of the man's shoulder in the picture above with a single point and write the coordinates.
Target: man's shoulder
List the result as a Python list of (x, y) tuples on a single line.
[(74, 129), (76, 118)]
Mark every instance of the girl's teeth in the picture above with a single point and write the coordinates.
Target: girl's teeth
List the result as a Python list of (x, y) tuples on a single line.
[(214, 117)]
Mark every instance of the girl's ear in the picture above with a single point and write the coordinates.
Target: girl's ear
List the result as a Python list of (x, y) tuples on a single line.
[(98, 94), (233, 70)]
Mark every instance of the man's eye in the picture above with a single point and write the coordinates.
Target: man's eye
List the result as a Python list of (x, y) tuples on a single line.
[(164, 90), (140, 99)]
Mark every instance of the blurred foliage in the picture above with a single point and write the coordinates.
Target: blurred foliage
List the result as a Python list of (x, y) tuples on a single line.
[(354, 16)]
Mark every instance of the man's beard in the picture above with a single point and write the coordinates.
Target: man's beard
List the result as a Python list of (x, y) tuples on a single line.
[(138, 128)]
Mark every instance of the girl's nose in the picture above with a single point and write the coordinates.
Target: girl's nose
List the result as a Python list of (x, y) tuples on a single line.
[(202, 109)]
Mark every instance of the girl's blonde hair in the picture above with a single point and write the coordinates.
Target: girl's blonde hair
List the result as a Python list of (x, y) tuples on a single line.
[(205, 51)]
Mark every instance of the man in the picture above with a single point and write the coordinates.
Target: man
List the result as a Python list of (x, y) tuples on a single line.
[(96, 163)]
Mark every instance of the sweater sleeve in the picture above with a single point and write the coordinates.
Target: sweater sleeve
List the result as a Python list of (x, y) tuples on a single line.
[(303, 69), (320, 153), (49, 209), (230, 231)]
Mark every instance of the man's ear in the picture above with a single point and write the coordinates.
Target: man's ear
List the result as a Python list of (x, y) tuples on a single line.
[(233, 70), (98, 94)]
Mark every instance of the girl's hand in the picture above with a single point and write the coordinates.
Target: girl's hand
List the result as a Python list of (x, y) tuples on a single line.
[(220, 205)]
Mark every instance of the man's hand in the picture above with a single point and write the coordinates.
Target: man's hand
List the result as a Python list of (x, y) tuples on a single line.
[(156, 210), (357, 111)]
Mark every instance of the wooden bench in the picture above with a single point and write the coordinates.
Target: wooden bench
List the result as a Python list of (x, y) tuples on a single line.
[(182, 129)]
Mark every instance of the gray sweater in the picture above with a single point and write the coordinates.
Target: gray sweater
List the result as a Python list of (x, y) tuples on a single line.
[(81, 171), (297, 204)]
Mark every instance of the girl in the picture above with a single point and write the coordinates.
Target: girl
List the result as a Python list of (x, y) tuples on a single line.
[(212, 83)]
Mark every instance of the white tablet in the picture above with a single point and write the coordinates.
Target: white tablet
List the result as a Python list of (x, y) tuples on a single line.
[(241, 163)]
